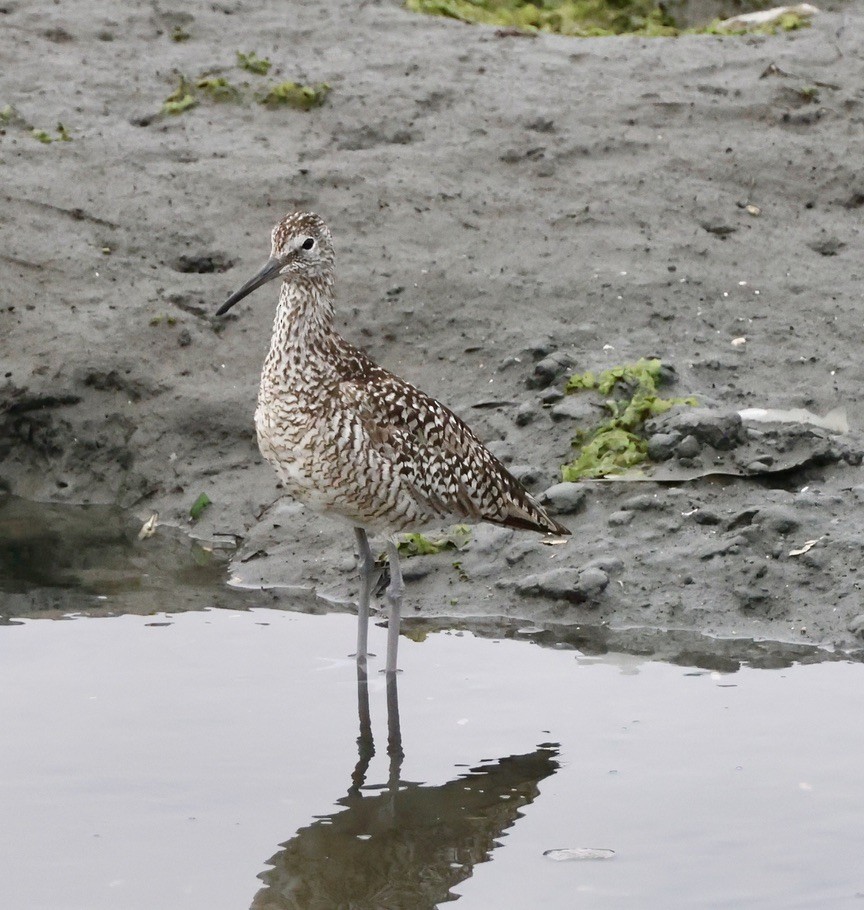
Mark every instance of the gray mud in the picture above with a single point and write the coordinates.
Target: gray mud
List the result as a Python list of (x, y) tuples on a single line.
[(494, 201)]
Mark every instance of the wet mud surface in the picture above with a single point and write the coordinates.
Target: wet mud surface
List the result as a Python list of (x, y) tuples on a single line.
[(505, 210)]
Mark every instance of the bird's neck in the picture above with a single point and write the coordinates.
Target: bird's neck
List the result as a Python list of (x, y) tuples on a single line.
[(305, 310), (303, 324)]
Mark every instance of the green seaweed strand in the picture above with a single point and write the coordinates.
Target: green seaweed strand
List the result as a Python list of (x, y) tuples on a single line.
[(618, 443)]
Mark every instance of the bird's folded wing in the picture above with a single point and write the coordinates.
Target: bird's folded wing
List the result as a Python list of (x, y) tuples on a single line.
[(437, 454)]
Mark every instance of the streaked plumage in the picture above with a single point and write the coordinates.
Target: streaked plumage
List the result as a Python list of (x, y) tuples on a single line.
[(350, 438)]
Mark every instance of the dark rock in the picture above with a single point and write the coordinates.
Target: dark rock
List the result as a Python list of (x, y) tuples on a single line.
[(706, 517), (525, 413), (574, 407), (742, 520), (719, 429), (779, 519), (718, 228), (661, 446), (550, 396), (689, 447), (564, 498), (547, 370)]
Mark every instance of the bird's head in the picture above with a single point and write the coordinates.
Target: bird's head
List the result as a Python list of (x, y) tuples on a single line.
[(301, 248)]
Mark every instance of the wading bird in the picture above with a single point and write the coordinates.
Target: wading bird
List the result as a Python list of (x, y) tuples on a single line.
[(349, 438)]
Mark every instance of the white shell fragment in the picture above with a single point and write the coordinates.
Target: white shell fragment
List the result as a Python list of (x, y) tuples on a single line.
[(834, 421), (808, 546), (148, 529), (767, 16), (578, 853)]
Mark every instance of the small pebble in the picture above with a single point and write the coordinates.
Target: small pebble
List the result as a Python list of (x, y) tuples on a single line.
[(706, 517), (565, 584), (779, 519), (547, 370), (618, 519), (689, 447), (565, 498), (525, 413), (661, 446), (592, 581), (415, 568), (574, 407), (556, 583), (643, 502)]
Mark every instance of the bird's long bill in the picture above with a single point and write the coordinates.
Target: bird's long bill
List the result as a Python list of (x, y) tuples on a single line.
[(268, 273)]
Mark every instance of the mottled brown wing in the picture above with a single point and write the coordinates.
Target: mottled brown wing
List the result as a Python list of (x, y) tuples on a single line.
[(438, 455)]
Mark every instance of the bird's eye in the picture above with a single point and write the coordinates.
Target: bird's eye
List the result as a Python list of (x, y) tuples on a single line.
[(308, 243)]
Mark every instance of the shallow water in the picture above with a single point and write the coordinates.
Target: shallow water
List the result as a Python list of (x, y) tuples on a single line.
[(217, 760)]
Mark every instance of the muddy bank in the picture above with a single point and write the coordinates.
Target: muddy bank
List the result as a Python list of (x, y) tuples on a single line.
[(494, 201)]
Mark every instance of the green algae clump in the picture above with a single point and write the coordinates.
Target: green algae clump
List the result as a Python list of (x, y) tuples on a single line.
[(577, 18), (181, 99), (218, 88), (253, 63), (596, 18), (293, 94), (618, 443), (456, 538)]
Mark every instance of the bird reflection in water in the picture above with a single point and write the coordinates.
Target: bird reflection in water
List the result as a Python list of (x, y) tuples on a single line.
[(403, 846)]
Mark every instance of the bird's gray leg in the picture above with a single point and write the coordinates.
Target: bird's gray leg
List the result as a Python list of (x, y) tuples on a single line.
[(368, 575), (394, 602)]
